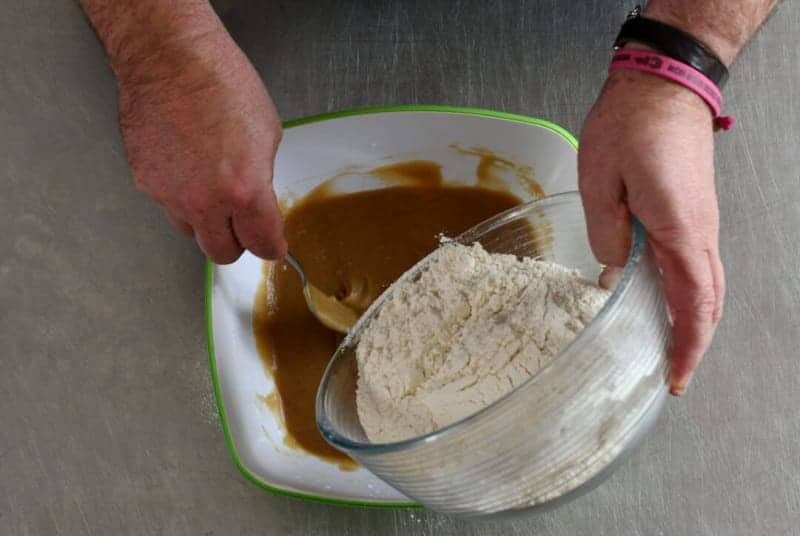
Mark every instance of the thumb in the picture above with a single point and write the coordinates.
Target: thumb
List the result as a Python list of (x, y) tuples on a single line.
[(259, 226), (608, 220)]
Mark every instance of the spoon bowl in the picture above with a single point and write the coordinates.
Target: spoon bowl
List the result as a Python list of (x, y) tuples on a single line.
[(331, 312)]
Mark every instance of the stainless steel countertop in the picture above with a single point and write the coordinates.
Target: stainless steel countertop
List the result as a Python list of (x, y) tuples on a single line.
[(107, 421)]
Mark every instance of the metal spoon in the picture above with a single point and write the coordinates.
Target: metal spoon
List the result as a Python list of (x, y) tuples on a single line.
[(328, 310)]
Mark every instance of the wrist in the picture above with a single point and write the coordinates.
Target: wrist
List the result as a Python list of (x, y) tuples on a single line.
[(150, 40), (658, 95), (194, 56), (721, 43)]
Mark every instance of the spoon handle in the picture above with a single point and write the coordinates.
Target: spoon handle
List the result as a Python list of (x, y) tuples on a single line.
[(296, 265)]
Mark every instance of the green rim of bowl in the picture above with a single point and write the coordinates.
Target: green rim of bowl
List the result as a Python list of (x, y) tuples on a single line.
[(210, 283)]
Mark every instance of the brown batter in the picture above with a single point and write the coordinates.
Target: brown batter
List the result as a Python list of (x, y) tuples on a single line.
[(352, 246)]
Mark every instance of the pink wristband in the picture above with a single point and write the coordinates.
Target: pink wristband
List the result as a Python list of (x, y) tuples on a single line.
[(678, 72)]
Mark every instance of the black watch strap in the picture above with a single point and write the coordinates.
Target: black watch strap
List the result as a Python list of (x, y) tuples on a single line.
[(673, 42)]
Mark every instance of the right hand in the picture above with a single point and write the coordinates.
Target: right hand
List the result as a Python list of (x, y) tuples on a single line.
[(201, 134), (647, 150)]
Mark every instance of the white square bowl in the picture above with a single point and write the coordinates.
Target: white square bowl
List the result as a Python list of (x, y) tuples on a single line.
[(313, 150)]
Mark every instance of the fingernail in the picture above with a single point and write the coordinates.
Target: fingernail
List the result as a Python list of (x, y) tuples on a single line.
[(610, 277), (677, 390)]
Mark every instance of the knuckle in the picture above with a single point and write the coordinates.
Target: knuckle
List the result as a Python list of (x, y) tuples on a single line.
[(705, 304), (717, 315), (241, 193), (240, 183), (192, 201), (679, 237), (698, 302)]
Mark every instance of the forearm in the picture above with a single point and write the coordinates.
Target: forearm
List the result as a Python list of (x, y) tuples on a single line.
[(150, 39), (722, 25)]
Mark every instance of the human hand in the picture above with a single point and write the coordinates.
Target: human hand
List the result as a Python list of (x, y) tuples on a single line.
[(647, 150), (201, 134)]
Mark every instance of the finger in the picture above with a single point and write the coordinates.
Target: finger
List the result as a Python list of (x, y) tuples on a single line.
[(690, 292), (259, 226), (216, 239), (179, 223), (608, 221), (610, 276)]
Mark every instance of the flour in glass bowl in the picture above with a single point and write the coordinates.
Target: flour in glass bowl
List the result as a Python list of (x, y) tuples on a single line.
[(471, 328)]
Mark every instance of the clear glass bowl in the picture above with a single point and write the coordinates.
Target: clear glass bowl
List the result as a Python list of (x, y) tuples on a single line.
[(555, 436)]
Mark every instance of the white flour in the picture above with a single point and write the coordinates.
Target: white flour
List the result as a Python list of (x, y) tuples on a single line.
[(471, 328)]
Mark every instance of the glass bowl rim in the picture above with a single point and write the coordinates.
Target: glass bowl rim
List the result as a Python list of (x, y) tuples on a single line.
[(637, 249)]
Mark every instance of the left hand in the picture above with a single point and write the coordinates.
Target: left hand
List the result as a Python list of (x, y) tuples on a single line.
[(647, 150)]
